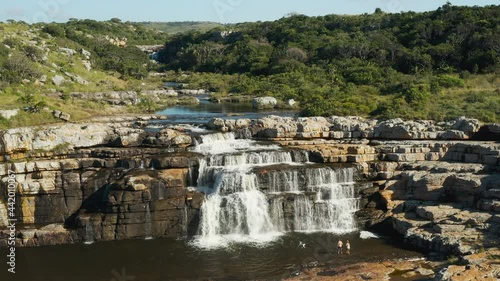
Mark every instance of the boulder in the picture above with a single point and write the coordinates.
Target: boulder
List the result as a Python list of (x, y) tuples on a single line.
[(67, 51), (452, 135), (58, 80), (87, 64), (467, 125), (7, 114), (398, 129), (264, 102), (85, 53)]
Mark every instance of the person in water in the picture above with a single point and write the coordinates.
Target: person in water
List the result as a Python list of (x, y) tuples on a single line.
[(339, 247), (348, 247)]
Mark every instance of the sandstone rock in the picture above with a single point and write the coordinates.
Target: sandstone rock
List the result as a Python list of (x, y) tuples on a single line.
[(85, 53), (61, 115), (65, 116), (467, 125), (452, 135), (193, 92), (426, 186), (264, 102), (163, 93), (436, 213), (401, 130), (74, 135), (7, 114), (58, 80), (3, 215), (87, 64), (67, 51)]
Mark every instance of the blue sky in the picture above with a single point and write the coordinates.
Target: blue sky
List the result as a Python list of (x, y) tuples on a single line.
[(225, 11)]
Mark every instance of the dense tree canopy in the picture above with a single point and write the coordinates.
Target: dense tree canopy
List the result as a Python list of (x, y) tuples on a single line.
[(409, 56)]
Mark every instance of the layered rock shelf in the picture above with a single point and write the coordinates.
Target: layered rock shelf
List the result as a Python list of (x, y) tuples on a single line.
[(437, 184), (106, 179)]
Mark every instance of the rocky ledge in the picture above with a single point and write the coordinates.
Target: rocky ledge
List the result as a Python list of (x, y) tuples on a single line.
[(338, 128), (480, 266), (104, 179)]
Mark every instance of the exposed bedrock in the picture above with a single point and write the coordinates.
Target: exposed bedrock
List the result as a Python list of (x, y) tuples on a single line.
[(275, 127), (111, 178)]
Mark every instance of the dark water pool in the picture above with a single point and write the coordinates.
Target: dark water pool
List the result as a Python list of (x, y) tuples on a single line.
[(171, 259)]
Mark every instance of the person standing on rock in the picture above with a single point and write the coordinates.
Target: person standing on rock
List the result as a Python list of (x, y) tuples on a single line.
[(348, 247), (339, 247)]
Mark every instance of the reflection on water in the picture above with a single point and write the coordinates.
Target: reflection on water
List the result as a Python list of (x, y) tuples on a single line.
[(205, 111), (170, 259)]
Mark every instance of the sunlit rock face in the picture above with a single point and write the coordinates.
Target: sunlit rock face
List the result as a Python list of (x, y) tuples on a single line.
[(115, 178)]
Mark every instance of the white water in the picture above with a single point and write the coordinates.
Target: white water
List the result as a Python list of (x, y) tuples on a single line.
[(368, 235), (255, 193), (147, 226), (89, 234)]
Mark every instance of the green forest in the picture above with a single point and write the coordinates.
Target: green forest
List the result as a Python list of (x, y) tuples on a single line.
[(432, 65)]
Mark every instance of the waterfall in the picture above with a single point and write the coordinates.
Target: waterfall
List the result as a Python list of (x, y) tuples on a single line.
[(304, 214), (89, 234), (257, 192), (147, 225), (161, 193), (277, 214), (284, 181)]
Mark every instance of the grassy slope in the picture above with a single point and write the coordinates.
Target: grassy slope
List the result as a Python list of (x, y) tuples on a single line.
[(58, 63)]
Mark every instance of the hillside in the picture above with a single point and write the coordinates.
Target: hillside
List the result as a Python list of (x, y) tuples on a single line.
[(432, 65), (40, 65)]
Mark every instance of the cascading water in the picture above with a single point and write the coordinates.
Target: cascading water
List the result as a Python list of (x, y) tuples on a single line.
[(147, 225), (255, 193), (89, 234)]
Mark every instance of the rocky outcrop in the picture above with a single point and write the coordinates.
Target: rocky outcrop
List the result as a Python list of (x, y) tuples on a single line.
[(96, 181), (338, 128), (264, 102), (472, 267), (125, 97)]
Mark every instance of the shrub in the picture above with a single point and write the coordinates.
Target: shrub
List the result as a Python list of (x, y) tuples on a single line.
[(416, 93), (12, 42), (34, 53), (19, 67), (448, 81), (54, 30)]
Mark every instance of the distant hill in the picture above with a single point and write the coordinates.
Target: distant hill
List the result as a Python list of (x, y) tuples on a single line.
[(183, 26)]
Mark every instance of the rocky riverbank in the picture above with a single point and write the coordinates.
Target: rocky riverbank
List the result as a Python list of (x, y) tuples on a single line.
[(435, 184), (429, 182)]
